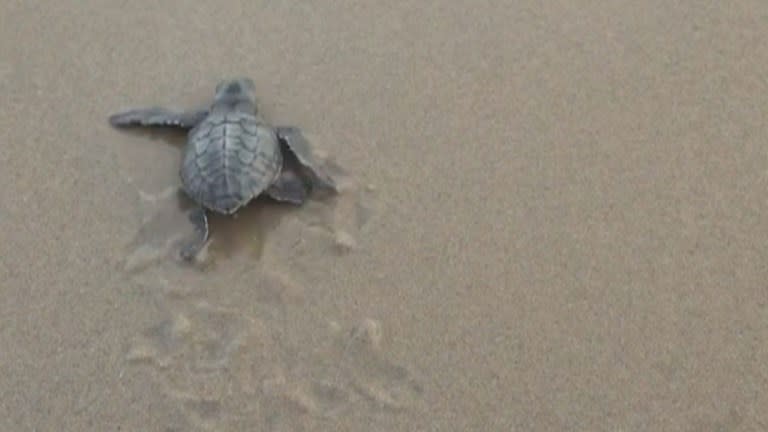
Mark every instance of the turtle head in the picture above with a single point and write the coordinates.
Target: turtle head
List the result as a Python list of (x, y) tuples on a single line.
[(239, 93)]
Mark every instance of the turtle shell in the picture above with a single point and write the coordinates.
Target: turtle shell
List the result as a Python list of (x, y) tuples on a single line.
[(230, 158)]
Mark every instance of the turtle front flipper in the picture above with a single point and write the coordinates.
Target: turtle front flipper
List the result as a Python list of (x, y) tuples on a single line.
[(199, 219), (288, 188), (291, 138), (157, 116)]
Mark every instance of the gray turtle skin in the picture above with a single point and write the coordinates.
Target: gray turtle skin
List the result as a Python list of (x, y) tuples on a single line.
[(232, 155)]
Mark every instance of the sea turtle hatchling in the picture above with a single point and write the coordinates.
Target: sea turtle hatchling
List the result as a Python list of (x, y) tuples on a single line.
[(232, 155)]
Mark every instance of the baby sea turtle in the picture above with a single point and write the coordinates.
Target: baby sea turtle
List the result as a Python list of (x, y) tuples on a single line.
[(232, 155)]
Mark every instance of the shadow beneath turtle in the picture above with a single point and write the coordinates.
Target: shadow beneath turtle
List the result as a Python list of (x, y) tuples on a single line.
[(246, 230)]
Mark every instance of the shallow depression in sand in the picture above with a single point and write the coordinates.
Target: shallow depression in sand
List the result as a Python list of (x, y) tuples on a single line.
[(230, 344)]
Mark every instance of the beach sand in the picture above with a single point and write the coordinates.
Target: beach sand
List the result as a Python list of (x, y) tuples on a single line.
[(552, 218)]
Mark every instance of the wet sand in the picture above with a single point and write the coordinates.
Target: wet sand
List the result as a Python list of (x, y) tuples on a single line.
[(553, 218)]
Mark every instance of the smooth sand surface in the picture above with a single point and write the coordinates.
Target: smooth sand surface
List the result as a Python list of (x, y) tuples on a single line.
[(553, 218)]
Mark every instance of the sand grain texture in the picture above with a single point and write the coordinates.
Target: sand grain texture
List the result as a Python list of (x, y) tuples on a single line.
[(553, 218)]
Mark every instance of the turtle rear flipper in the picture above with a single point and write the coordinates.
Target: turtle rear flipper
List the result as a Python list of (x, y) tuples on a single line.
[(292, 138), (157, 116), (288, 188), (200, 221)]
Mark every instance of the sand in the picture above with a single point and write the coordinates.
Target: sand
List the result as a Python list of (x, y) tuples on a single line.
[(553, 217)]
